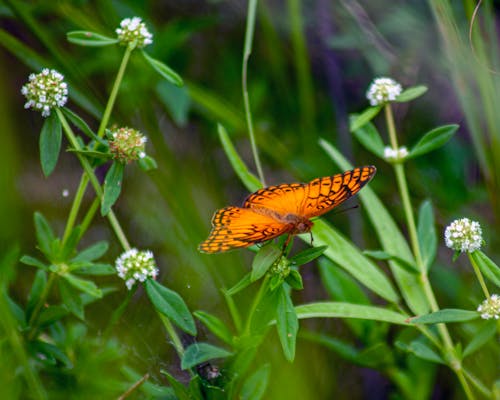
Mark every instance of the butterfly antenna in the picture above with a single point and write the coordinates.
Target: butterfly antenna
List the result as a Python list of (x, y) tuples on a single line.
[(338, 211)]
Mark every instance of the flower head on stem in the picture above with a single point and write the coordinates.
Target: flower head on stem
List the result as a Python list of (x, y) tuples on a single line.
[(133, 31), (383, 90), (127, 144), (45, 91), (490, 308), (136, 266), (463, 235), (392, 155)]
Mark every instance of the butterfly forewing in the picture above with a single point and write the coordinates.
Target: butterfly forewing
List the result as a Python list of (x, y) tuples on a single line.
[(285, 198), (234, 227)]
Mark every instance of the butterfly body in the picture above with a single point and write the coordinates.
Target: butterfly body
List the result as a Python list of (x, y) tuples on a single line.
[(276, 210)]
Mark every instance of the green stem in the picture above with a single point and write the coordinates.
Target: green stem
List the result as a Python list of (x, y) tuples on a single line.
[(39, 304), (233, 310), (75, 207), (93, 179), (250, 28), (477, 384), (255, 304), (464, 383), (87, 219), (479, 276), (119, 312), (176, 341)]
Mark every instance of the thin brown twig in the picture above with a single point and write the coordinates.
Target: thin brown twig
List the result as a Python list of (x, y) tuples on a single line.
[(133, 387)]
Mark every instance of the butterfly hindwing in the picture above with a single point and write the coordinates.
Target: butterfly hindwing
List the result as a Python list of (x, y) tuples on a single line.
[(234, 227)]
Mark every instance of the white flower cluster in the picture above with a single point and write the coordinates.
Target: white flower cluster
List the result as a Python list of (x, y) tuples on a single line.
[(463, 235), (398, 154), (490, 308), (134, 30), (45, 90), (127, 144), (383, 90), (136, 266)]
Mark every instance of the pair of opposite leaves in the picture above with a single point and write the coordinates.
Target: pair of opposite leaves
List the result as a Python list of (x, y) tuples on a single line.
[(287, 208)]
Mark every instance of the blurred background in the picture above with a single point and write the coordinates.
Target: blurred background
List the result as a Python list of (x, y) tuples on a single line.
[(311, 65)]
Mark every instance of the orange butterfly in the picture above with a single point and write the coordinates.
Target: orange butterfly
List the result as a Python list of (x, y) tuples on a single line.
[(287, 208)]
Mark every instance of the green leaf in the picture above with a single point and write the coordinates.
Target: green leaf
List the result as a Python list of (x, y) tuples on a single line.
[(168, 73), (91, 253), (69, 246), (32, 261), (250, 181), (51, 353), (383, 255), (71, 299), (87, 38), (112, 187), (345, 254), (84, 285), (490, 270), (176, 100), (357, 121), (287, 324), (254, 387), (422, 351), (294, 279), (81, 125), (433, 140), (100, 155), (50, 143), (170, 304), (481, 337), (37, 288), (147, 163), (426, 233), (242, 284), (444, 316), (93, 269), (307, 255), (181, 391), (411, 93), (370, 139), (263, 260), (44, 234), (198, 353), (215, 325), (347, 310), (390, 237)]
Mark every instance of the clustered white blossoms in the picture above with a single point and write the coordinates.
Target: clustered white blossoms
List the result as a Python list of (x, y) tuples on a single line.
[(134, 30), (383, 90), (45, 91), (463, 235), (398, 154), (127, 144), (136, 266), (490, 308)]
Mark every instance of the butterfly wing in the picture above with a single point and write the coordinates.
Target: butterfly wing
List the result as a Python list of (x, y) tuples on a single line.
[(234, 227), (323, 194), (314, 198)]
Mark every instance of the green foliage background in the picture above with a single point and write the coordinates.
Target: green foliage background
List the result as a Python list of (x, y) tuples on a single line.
[(311, 64)]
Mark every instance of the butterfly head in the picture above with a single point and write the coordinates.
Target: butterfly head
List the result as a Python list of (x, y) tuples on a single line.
[(298, 224)]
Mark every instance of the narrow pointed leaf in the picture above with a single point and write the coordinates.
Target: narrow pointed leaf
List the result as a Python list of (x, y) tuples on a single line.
[(32, 261), (481, 337), (294, 279), (490, 270), (147, 163), (93, 269), (240, 285), (307, 255), (84, 285), (44, 234), (71, 299), (432, 140), (263, 260), (50, 143), (87, 38), (254, 388), (93, 252), (37, 288), (181, 391), (287, 324), (81, 125), (370, 139), (360, 120), (198, 353), (168, 73), (170, 304), (215, 325), (445, 316), (424, 352), (411, 93), (426, 232), (112, 187), (383, 255)]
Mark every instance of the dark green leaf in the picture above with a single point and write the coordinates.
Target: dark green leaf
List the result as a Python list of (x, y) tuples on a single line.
[(250, 181), (433, 140), (112, 187), (147, 163), (422, 351), (51, 352), (215, 325), (93, 269), (37, 288), (16, 310), (445, 316), (370, 139), (357, 121), (198, 353), (168, 73), (71, 299), (170, 304), (92, 252), (481, 337), (294, 279), (487, 266), (307, 255), (44, 234), (411, 93), (50, 143), (254, 387), (242, 284), (32, 261), (287, 324), (81, 125), (427, 234), (84, 285), (87, 38), (263, 260)]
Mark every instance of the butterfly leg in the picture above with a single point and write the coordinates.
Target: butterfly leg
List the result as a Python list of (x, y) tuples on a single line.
[(312, 239)]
